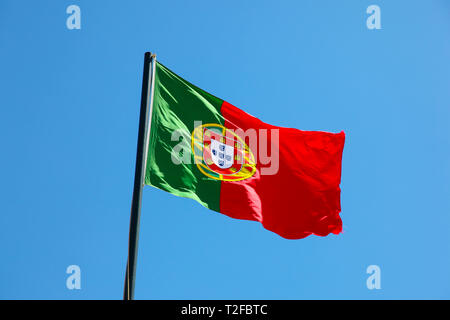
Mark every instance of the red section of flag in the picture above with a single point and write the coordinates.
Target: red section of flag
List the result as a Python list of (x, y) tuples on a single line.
[(303, 197)]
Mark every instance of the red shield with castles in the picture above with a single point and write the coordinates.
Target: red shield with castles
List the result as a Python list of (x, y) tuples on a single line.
[(222, 154)]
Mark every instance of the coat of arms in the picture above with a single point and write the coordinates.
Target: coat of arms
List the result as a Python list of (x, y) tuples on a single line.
[(221, 154)]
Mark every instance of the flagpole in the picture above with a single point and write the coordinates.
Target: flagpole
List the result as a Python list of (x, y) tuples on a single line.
[(139, 175)]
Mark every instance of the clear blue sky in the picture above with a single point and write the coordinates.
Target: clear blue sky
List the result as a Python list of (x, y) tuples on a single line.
[(68, 127)]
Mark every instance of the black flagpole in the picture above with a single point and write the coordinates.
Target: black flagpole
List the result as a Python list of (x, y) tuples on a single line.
[(138, 180)]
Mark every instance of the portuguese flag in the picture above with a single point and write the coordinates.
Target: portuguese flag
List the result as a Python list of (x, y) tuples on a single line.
[(202, 147)]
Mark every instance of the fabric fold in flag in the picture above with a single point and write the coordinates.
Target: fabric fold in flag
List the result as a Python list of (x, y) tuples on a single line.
[(202, 147)]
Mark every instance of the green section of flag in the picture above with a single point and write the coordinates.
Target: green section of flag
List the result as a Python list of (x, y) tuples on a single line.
[(177, 104)]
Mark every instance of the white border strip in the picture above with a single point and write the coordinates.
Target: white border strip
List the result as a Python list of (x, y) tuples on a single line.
[(149, 118)]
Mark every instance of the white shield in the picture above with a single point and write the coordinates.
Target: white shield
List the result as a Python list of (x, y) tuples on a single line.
[(221, 154)]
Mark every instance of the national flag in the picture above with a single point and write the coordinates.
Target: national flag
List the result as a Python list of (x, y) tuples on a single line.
[(202, 147)]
